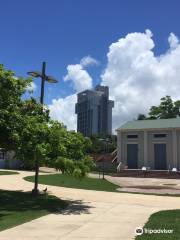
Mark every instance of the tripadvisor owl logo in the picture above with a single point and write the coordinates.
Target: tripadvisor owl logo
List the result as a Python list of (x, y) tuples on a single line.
[(139, 231)]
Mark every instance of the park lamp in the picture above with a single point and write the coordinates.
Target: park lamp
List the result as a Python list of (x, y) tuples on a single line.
[(34, 74), (49, 79), (37, 74)]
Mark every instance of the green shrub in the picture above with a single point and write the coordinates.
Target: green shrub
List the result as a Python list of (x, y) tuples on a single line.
[(77, 168), (77, 173), (60, 164)]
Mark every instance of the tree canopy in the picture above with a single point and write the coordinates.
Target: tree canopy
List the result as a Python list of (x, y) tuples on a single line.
[(26, 128), (141, 116), (11, 90), (102, 144), (166, 109)]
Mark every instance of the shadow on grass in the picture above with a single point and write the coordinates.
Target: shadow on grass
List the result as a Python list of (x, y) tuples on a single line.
[(24, 201), (18, 207), (2, 172)]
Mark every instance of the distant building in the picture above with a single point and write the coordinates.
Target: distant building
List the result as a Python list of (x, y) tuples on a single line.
[(7, 160), (94, 111)]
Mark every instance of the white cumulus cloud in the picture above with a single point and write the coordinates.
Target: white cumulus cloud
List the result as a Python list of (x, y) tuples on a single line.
[(173, 41), (88, 61), (63, 110), (77, 74), (80, 77), (137, 78)]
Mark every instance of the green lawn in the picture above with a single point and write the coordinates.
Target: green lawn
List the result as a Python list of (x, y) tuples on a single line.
[(20, 207), (7, 172), (72, 182), (169, 219)]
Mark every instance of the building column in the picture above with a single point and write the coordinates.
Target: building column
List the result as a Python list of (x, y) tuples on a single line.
[(145, 149), (174, 148)]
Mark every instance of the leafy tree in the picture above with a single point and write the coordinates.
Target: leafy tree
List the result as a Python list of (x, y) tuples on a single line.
[(68, 144), (70, 166), (62, 164), (99, 146), (76, 145), (166, 109), (26, 128), (96, 146), (68, 150), (77, 173), (141, 116), (32, 139), (56, 139), (81, 168), (77, 168), (11, 90)]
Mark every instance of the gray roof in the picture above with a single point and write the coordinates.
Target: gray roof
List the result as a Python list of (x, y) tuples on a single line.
[(151, 124)]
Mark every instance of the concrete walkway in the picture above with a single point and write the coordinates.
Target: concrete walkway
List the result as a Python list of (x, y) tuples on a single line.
[(146, 185), (92, 215)]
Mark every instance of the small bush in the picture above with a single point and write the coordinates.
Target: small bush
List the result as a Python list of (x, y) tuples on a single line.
[(77, 168), (77, 173)]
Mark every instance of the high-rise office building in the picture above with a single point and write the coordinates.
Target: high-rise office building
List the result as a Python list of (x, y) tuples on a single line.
[(94, 111)]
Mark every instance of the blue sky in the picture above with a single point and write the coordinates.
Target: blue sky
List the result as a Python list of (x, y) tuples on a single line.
[(61, 32)]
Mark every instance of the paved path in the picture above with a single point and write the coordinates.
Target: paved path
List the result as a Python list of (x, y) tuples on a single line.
[(92, 215), (146, 185)]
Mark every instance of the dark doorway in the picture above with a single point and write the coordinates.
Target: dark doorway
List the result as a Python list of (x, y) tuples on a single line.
[(132, 156), (160, 157)]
